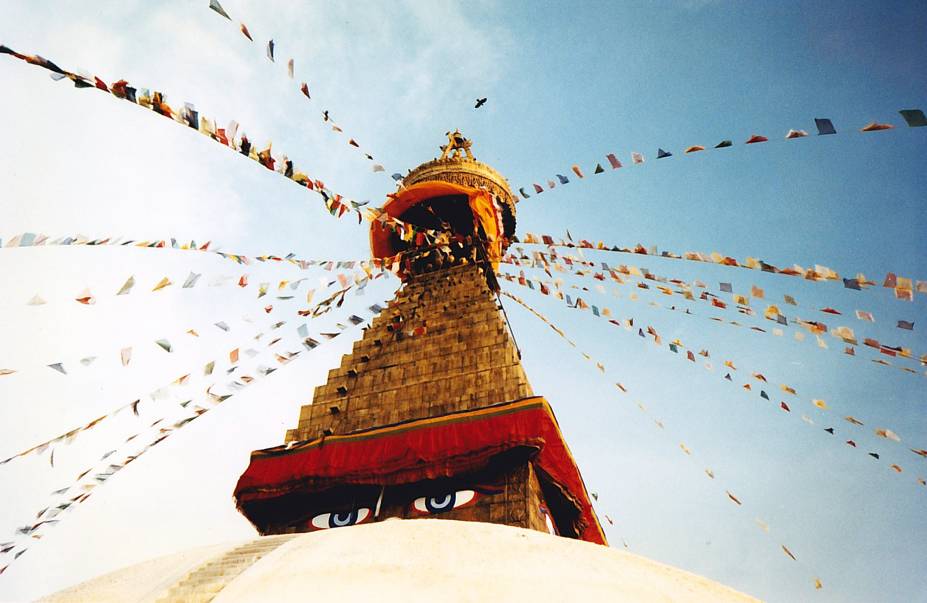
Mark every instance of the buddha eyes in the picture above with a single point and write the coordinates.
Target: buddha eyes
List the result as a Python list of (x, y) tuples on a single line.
[(444, 502), (353, 517), (430, 505)]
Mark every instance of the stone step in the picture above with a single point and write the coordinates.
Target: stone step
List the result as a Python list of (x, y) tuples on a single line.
[(202, 584)]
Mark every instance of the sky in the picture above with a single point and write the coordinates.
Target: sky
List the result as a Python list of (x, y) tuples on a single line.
[(566, 83)]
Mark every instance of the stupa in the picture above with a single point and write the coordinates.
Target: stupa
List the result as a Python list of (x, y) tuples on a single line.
[(430, 416)]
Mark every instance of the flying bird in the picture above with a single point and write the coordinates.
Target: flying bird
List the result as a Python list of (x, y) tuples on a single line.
[(479, 103)]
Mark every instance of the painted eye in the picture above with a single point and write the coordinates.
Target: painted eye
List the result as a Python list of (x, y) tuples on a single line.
[(325, 521), (444, 502), (548, 520)]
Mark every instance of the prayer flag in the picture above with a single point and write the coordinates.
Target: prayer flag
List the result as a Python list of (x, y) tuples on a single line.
[(724, 144), (914, 117), (577, 171), (756, 138), (888, 434), (270, 50), (36, 300), (824, 126), (164, 282), (796, 134), (233, 356), (661, 154), (904, 324), (538, 189), (695, 148), (563, 179), (613, 161), (191, 280), (58, 366), (164, 344), (875, 127), (125, 354), (523, 193), (214, 5), (289, 68), (304, 88), (851, 283), (127, 287), (637, 158)]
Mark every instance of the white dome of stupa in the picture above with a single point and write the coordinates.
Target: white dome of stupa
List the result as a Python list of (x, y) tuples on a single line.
[(403, 560)]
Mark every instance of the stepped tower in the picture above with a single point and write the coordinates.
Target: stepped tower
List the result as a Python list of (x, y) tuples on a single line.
[(431, 414)]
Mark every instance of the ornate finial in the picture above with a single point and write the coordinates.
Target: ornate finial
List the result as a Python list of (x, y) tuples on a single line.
[(455, 144)]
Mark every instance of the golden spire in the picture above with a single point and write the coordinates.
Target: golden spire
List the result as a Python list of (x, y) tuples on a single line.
[(455, 144)]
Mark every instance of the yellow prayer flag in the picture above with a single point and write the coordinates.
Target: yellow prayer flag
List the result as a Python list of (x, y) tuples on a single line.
[(164, 282)]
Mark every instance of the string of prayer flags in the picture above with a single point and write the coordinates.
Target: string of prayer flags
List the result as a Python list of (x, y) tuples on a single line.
[(304, 89), (126, 354), (913, 117), (187, 116), (818, 403), (97, 475), (903, 286), (658, 423), (772, 312)]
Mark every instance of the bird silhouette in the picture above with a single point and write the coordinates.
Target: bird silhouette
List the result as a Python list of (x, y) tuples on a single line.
[(479, 103)]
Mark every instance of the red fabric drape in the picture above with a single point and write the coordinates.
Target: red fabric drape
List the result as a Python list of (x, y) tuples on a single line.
[(423, 449)]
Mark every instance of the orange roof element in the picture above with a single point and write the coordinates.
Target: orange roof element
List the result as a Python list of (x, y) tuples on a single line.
[(483, 207)]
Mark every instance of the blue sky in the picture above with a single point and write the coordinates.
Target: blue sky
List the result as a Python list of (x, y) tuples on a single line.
[(566, 84)]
